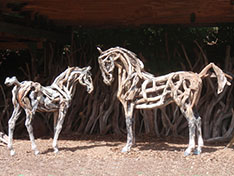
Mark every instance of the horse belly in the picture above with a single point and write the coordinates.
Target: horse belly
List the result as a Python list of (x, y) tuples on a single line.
[(154, 102), (47, 108), (48, 105), (23, 99)]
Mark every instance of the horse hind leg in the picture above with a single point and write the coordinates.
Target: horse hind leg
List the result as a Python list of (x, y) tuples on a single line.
[(199, 136), (194, 121), (28, 124), (11, 127), (189, 115), (191, 145)]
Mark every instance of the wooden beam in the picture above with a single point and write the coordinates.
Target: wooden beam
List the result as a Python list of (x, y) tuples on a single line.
[(133, 12), (33, 33), (20, 45)]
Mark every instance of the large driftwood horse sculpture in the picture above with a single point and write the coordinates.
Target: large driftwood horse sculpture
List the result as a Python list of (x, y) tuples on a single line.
[(141, 90), (33, 97)]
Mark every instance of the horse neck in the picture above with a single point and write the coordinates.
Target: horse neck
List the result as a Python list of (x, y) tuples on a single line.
[(124, 65), (71, 86), (73, 89), (65, 84), (133, 74)]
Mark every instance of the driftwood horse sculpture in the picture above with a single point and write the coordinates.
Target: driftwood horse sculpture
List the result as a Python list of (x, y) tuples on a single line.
[(141, 90), (32, 97)]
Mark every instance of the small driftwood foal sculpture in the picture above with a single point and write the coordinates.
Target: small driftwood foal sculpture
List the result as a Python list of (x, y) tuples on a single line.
[(141, 90), (32, 96)]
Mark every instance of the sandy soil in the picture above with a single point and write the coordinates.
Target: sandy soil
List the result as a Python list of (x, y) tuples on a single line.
[(101, 155)]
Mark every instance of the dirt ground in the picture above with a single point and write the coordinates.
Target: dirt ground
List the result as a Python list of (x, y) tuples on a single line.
[(101, 156)]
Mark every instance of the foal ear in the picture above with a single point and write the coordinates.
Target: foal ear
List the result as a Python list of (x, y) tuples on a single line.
[(99, 49)]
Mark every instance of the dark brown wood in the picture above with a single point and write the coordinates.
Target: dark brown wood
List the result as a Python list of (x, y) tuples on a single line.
[(19, 31), (128, 12), (20, 45)]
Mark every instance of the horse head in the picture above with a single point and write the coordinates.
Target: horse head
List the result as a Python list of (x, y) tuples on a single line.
[(106, 64)]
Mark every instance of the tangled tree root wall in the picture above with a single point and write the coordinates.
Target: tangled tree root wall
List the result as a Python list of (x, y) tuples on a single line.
[(102, 113)]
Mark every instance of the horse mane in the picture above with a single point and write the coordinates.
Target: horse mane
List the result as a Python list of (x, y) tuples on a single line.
[(131, 56), (135, 62), (63, 77)]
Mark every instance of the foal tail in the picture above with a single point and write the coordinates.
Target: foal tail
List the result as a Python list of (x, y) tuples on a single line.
[(12, 81), (218, 73)]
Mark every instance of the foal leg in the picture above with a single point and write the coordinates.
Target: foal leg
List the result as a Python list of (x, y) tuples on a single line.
[(128, 108), (58, 128), (11, 127), (28, 124)]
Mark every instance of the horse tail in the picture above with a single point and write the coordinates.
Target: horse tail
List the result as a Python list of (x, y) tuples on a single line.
[(218, 73), (12, 81)]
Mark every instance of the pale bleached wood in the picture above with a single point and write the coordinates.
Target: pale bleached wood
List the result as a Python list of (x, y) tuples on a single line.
[(32, 97), (139, 89)]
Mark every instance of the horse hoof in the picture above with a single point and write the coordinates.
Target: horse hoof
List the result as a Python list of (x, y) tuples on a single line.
[(125, 149), (197, 152), (56, 150), (12, 152), (186, 153), (37, 152)]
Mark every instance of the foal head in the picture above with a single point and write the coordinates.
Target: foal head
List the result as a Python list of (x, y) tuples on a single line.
[(75, 75), (85, 78)]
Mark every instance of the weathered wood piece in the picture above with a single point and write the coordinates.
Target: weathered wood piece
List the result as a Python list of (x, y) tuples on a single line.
[(34, 34), (33, 97), (139, 89), (3, 138)]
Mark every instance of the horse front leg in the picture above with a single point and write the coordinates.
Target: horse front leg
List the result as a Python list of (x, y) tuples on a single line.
[(55, 120), (11, 126), (128, 109), (28, 124), (61, 115)]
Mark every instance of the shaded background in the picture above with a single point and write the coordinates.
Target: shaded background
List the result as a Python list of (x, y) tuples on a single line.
[(163, 49)]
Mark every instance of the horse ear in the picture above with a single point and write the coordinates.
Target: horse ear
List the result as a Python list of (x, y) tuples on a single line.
[(88, 68), (99, 49)]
